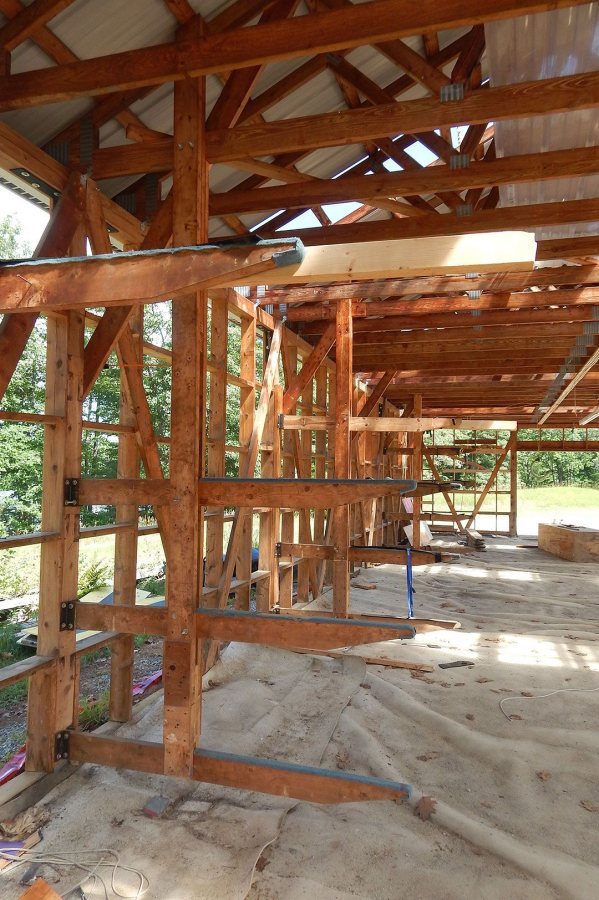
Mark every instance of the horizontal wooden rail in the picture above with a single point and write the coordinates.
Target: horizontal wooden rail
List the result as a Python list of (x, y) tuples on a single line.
[(122, 619), (419, 625), (23, 669), (297, 493), (394, 555), (401, 424), (248, 773), (320, 632)]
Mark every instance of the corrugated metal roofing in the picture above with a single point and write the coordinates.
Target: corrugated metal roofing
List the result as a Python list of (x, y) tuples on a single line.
[(519, 49), (561, 42)]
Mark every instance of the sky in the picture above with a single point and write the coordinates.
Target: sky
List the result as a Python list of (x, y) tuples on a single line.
[(31, 219)]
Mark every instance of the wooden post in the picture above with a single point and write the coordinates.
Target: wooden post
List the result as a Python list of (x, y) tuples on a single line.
[(343, 411), (247, 409), (417, 473), (53, 703), (513, 526), (288, 518), (182, 686), (125, 546), (217, 424)]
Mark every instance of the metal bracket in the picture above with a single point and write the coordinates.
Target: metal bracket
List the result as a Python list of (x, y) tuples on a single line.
[(71, 492), (67, 615), (281, 421), (61, 745), (459, 161), (464, 209), (278, 550), (451, 92)]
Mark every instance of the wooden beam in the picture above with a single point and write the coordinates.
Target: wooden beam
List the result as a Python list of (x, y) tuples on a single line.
[(28, 21), (354, 126), (513, 250), (501, 285), (344, 28), (242, 772), (286, 631), (111, 280), (506, 170), (298, 493), (534, 215), (402, 424)]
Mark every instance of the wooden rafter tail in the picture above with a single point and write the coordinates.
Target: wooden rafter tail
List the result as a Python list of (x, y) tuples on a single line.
[(118, 278)]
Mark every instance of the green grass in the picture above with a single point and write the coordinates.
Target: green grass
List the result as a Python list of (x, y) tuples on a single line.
[(556, 498)]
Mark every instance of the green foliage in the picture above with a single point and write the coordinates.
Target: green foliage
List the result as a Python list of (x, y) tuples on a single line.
[(93, 577), (540, 468), (93, 713)]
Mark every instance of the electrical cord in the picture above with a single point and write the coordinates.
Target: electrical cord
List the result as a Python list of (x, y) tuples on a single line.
[(89, 867), (542, 696)]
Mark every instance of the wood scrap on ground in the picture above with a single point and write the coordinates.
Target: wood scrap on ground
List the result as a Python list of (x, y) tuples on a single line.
[(369, 660)]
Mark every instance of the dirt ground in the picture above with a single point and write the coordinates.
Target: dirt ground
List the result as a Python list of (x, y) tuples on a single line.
[(511, 773)]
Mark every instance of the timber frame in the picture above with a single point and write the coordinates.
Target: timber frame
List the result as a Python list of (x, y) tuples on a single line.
[(365, 343)]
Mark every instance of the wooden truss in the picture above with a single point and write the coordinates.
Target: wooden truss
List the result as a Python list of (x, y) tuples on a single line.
[(418, 311)]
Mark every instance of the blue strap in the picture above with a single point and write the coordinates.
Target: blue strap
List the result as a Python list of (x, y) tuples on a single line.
[(409, 582)]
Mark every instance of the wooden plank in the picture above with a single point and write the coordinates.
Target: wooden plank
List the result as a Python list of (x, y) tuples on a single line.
[(40, 890), (281, 630), (257, 45), (505, 170), (370, 660), (379, 555)]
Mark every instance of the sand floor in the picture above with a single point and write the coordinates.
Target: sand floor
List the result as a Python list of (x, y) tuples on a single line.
[(517, 800)]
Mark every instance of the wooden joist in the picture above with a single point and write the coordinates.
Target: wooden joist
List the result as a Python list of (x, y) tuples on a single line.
[(391, 555)]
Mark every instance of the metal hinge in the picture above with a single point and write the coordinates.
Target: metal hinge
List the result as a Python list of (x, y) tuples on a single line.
[(61, 744), (71, 492), (67, 615)]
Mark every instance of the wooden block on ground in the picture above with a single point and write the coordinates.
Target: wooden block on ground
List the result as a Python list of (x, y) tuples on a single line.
[(570, 542)]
